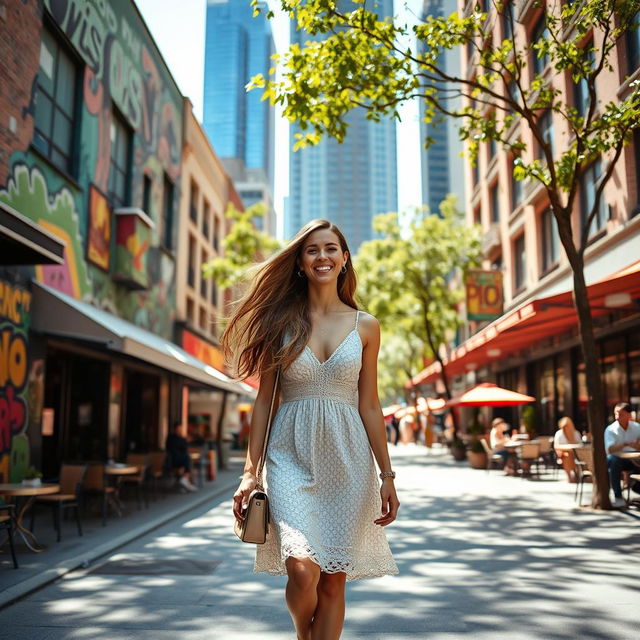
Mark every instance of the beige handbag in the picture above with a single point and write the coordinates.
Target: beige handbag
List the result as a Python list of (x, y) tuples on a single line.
[(255, 526)]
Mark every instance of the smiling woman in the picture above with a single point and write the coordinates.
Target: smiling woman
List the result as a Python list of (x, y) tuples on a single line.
[(299, 317)]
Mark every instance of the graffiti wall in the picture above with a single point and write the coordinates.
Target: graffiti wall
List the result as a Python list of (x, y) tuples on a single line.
[(15, 305), (123, 73)]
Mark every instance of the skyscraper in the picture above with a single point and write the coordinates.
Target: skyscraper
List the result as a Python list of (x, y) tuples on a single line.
[(347, 183), (441, 164), (239, 124)]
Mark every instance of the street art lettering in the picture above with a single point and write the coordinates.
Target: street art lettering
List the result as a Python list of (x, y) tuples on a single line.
[(15, 304)]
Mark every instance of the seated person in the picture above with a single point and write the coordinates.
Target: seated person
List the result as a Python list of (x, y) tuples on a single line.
[(179, 458), (497, 439), (621, 435), (567, 434)]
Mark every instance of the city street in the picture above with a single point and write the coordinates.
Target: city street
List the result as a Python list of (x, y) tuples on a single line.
[(481, 555)]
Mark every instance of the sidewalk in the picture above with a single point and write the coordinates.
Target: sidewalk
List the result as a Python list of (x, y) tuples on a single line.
[(481, 555), (73, 551)]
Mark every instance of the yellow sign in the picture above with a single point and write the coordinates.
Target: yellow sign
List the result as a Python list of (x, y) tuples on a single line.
[(207, 353), (484, 295)]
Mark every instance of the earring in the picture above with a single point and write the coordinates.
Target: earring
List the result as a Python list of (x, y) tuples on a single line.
[(344, 269), (300, 273)]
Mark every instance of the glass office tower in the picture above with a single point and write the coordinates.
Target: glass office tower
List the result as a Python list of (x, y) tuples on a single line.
[(239, 124), (347, 183), (442, 168)]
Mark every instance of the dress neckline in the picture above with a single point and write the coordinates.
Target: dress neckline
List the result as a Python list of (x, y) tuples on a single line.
[(323, 362)]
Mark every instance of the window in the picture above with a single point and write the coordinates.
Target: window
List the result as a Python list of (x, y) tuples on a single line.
[(193, 203), (214, 293), (216, 232), (520, 263), (513, 91), (206, 213), (190, 312), (546, 130), (476, 216), (203, 318), (191, 272), (167, 212), (120, 164), (508, 21), (550, 241), (588, 187), (633, 46), (55, 101), (203, 280), (539, 34), (636, 153), (516, 190), (493, 149), (496, 263), (495, 203), (146, 193), (581, 90)]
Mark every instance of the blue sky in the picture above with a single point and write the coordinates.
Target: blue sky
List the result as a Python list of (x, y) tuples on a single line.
[(178, 29)]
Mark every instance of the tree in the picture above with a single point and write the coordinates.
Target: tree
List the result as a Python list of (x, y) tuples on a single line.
[(368, 62), (241, 247), (406, 277)]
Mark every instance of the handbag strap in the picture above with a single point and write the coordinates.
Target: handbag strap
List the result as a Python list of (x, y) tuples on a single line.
[(267, 431)]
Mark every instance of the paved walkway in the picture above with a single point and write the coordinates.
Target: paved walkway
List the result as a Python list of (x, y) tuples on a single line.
[(481, 555)]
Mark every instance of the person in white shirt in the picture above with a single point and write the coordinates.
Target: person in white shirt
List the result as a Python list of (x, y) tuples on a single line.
[(567, 434), (621, 435)]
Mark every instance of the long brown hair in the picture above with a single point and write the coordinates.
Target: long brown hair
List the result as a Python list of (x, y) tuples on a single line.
[(277, 302)]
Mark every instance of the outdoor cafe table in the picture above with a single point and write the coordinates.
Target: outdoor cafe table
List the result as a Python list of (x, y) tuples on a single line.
[(18, 490), (571, 446), (514, 444), (117, 471)]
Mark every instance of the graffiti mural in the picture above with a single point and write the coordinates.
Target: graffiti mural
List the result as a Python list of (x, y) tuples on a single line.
[(15, 304), (99, 233)]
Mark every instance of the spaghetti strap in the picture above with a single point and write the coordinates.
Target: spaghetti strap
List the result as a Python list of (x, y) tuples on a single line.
[(357, 318)]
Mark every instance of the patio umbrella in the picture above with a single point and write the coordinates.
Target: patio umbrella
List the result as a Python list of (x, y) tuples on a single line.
[(487, 394)]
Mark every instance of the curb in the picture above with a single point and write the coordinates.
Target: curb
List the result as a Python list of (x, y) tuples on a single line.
[(22, 589)]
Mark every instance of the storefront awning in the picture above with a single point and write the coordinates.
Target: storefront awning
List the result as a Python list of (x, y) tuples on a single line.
[(25, 242), (535, 320), (55, 313)]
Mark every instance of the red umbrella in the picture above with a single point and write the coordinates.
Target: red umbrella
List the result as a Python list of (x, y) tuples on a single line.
[(487, 394)]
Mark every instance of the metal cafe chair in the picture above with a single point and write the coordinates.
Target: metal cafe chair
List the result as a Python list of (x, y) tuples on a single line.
[(584, 465), (71, 482), (140, 460), (493, 459), (7, 522), (530, 453)]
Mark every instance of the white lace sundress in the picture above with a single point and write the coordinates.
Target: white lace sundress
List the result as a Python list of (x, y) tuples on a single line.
[(323, 487)]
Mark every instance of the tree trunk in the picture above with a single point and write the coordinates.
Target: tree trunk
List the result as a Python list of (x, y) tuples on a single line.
[(595, 406)]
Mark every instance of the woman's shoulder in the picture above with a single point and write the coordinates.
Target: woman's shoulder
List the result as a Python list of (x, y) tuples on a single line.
[(367, 321)]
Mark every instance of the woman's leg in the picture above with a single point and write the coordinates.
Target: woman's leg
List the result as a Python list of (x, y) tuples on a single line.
[(329, 615), (569, 465), (301, 594)]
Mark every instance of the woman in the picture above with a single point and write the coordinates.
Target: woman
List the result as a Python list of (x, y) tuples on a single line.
[(567, 434), (327, 510), (497, 440)]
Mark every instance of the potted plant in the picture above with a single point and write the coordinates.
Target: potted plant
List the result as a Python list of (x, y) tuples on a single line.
[(32, 477), (476, 455), (458, 450), (529, 420)]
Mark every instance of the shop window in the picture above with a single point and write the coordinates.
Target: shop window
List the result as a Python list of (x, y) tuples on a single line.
[(633, 46), (167, 212), (581, 90), (55, 124), (539, 34), (588, 187), (519, 263), (546, 395), (633, 353), (495, 203), (546, 130), (120, 163), (550, 241), (613, 365)]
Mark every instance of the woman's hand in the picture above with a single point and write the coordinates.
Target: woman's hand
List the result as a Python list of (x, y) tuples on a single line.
[(241, 496), (390, 503)]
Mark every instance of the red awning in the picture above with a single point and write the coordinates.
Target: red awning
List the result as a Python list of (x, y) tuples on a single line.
[(535, 320)]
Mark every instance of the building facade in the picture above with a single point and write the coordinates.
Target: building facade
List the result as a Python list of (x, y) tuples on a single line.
[(534, 347), (90, 157), (240, 125), (347, 183)]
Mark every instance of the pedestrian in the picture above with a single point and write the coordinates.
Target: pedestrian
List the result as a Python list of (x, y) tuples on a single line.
[(177, 449), (395, 425), (623, 434), (567, 434), (299, 315)]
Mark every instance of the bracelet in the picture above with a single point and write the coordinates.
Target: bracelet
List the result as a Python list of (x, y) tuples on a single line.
[(387, 474)]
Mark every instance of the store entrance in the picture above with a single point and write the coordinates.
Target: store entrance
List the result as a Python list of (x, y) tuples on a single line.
[(75, 406), (141, 416)]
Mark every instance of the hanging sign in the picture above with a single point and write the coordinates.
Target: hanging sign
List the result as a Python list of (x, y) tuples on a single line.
[(484, 295)]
